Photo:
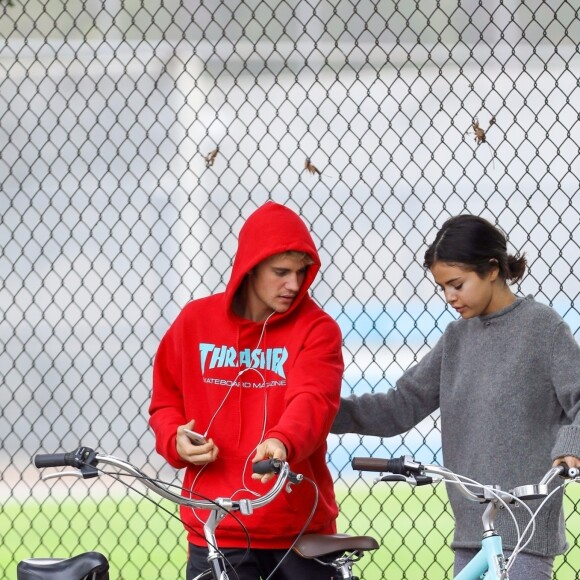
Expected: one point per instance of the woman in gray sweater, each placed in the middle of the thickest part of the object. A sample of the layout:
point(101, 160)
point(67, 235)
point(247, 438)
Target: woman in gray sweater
point(506, 379)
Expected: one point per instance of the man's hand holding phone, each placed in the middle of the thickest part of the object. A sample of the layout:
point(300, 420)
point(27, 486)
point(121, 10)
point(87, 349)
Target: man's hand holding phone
point(193, 447)
point(195, 438)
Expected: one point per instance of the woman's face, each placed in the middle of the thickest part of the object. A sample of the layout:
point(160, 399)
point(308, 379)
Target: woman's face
point(469, 293)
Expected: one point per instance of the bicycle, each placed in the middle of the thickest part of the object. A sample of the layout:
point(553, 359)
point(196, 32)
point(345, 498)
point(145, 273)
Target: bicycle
point(489, 563)
point(337, 551)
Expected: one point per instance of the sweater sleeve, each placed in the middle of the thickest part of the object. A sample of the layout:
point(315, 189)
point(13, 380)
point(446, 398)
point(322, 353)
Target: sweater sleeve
point(166, 409)
point(313, 392)
point(566, 379)
point(415, 396)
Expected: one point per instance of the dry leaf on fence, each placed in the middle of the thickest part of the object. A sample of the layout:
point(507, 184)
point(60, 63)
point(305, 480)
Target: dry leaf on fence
point(479, 132)
point(310, 167)
point(210, 157)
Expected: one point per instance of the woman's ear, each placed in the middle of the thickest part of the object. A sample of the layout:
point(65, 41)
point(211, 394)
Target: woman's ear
point(493, 270)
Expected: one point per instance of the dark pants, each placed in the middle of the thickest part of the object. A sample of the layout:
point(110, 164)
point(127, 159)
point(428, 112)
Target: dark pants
point(258, 565)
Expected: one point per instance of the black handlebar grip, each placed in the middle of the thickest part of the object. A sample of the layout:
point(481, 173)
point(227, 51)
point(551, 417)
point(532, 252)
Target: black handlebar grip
point(379, 464)
point(267, 466)
point(370, 464)
point(54, 460)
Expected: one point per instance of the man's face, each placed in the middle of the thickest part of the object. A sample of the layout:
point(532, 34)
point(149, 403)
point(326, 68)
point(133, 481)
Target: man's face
point(274, 284)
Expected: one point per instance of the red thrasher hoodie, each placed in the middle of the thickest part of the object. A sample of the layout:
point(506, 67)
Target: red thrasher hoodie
point(292, 393)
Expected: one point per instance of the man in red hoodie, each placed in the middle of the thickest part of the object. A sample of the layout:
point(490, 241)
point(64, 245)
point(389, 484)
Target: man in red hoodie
point(257, 369)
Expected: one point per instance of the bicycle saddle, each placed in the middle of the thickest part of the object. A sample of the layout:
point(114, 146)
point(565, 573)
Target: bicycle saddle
point(316, 545)
point(92, 565)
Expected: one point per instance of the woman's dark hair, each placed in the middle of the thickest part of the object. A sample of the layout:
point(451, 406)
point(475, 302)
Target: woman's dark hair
point(473, 242)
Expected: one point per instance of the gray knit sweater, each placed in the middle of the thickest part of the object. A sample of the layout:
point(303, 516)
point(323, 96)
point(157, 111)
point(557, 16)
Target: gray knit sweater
point(508, 388)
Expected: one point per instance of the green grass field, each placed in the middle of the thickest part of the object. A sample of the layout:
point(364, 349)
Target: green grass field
point(141, 541)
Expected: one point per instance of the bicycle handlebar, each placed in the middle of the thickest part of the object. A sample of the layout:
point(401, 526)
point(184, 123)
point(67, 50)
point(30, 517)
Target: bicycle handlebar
point(86, 460)
point(54, 460)
point(78, 458)
point(400, 466)
point(267, 466)
point(405, 468)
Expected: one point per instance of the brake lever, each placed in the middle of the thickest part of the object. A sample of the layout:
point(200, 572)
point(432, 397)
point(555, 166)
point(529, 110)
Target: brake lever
point(58, 474)
point(393, 477)
point(86, 471)
point(415, 480)
point(292, 480)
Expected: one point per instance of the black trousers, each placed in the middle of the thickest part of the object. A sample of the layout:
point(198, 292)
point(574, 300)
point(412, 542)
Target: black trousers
point(258, 565)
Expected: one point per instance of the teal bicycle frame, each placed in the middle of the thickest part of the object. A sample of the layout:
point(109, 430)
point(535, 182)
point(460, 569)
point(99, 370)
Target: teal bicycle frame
point(489, 561)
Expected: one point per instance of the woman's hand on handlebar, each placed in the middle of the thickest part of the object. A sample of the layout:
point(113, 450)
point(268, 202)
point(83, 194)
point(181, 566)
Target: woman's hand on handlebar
point(569, 460)
point(269, 449)
point(196, 454)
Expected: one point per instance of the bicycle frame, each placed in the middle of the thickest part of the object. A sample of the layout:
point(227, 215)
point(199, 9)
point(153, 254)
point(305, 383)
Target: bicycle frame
point(488, 563)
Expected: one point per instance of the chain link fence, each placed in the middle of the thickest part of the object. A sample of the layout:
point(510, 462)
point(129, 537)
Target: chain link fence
point(136, 137)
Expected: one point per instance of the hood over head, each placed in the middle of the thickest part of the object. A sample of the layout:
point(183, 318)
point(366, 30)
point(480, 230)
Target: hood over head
point(271, 229)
